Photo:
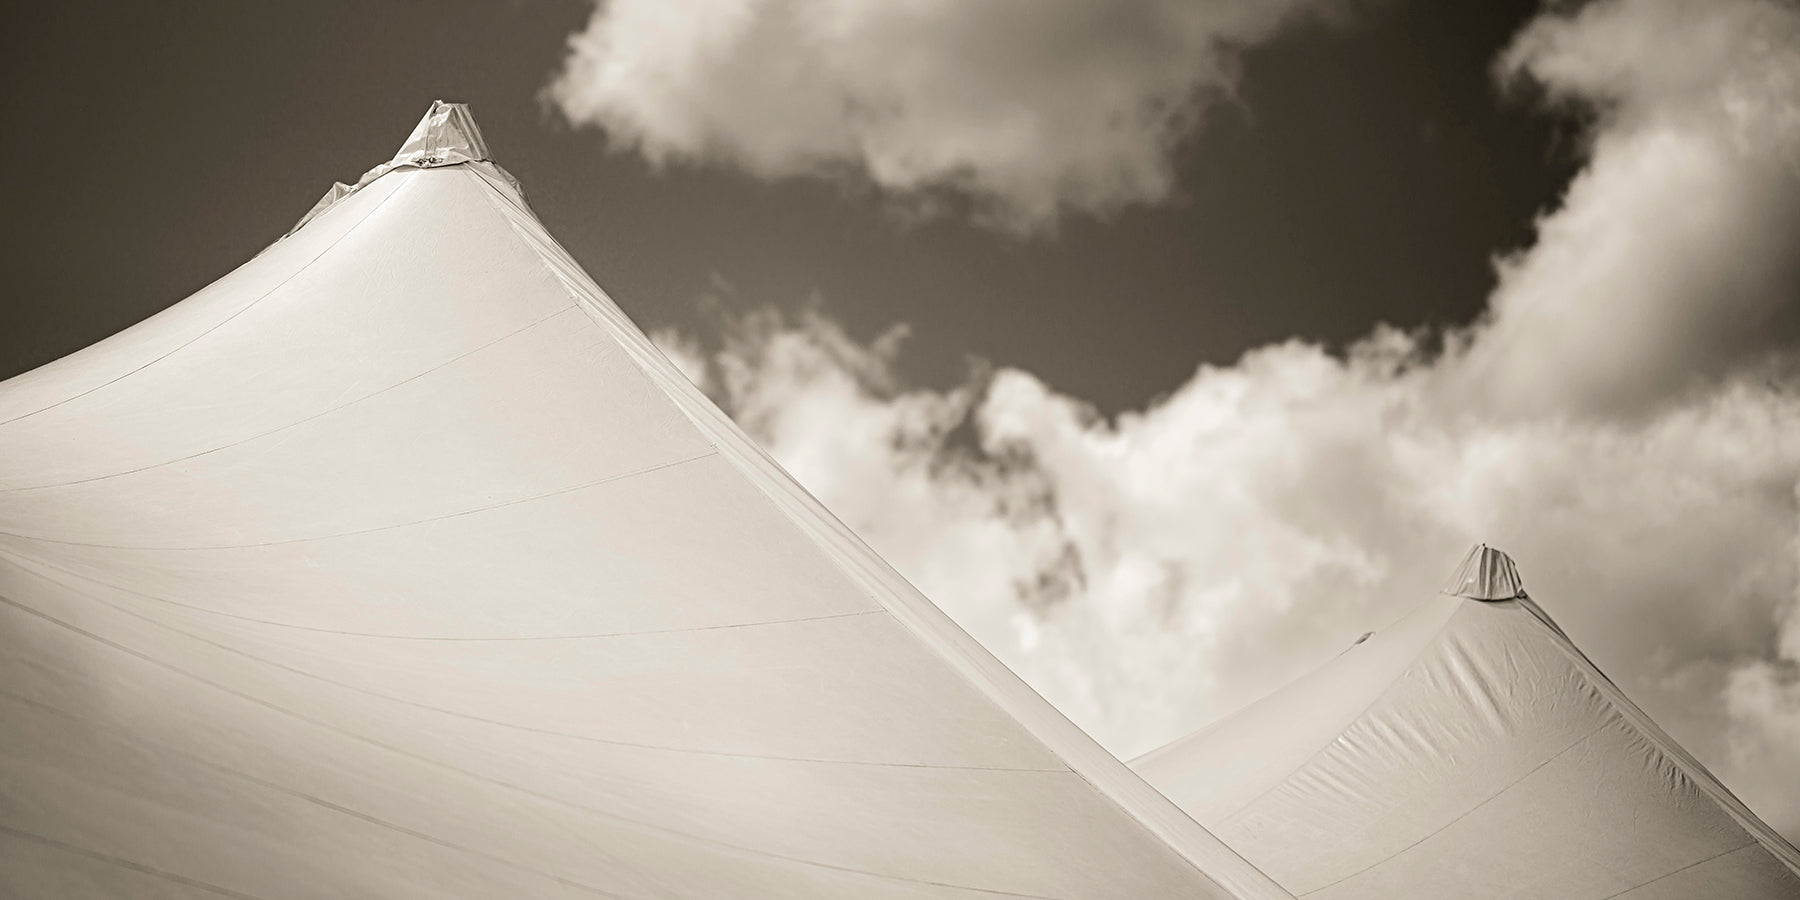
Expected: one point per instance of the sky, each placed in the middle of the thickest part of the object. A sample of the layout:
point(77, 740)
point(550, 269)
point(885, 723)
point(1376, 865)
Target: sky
point(1167, 346)
point(1365, 171)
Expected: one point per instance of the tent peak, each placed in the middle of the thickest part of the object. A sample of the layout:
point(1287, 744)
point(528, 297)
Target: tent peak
point(1485, 574)
point(446, 136)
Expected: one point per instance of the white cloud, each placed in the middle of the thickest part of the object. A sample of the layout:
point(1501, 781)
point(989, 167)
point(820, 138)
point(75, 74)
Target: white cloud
point(1680, 241)
point(1026, 108)
point(1612, 422)
point(1764, 703)
point(1151, 572)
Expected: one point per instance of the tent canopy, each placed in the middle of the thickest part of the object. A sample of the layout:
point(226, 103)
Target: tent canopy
point(1469, 751)
point(399, 563)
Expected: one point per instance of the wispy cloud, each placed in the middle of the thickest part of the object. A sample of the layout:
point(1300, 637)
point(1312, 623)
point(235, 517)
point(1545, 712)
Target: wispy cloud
point(1024, 109)
point(1619, 420)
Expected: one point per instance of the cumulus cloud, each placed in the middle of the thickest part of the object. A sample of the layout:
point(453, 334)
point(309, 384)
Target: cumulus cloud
point(1763, 700)
point(1024, 108)
point(1150, 573)
point(1614, 421)
point(1677, 251)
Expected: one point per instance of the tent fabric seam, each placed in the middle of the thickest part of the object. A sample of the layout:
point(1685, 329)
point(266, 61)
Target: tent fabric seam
point(1693, 769)
point(123, 863)
point(114, 733)
point(518, 726)
point(302, 421)
point(1462, 815)
point(614, 817)
point(597, 482)
point(602, 635)
point(1697, 863)
point(1232, 816)
point(222, 322)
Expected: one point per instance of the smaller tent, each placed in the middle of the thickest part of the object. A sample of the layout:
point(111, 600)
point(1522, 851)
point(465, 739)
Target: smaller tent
point(1469, 751)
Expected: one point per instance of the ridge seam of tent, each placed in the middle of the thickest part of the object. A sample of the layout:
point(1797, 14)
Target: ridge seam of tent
point(301, 421)
point(222, 322)
point(1724, 853)
point(120, 736)
point(1696, 772)
point(25, 560)
point(613, 742)
point(539, 795)
point(991, 679)
point(1464, 814)
point(597, 482)
point(123, 863)
point(1232, 816)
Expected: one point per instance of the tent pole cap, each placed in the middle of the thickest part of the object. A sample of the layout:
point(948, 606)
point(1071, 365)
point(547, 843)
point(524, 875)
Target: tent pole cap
point(1485, 574)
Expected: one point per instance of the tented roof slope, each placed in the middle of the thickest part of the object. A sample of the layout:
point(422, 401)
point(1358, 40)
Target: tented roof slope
point(1470, 751)
point(398, 563)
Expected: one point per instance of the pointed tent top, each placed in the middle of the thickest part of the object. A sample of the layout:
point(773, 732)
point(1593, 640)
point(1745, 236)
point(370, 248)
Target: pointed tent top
point(446, 136)
point(1487, 688)
point(1485, 574)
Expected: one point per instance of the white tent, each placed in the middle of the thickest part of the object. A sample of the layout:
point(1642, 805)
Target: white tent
point(1470, 751)
point(398, 563)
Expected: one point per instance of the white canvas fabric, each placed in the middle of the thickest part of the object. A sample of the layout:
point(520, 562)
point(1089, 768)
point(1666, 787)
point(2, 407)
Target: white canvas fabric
point(1470, 752)
point(399, 563)
point(1485, 574)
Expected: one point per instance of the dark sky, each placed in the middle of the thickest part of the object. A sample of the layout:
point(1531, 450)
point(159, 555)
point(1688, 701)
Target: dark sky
point(1368, 172)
